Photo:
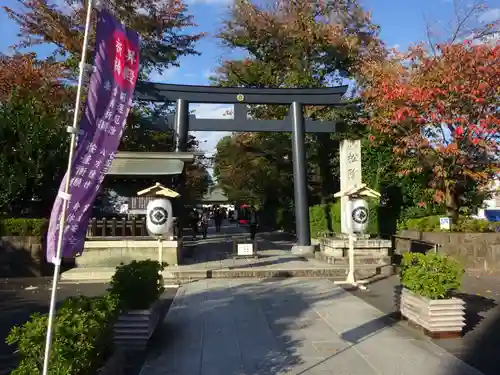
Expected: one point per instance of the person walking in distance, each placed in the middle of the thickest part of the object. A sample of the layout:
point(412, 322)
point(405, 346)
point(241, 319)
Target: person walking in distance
point(204, 222)
point(217, 219)
point(193, 219)
point(253, 221)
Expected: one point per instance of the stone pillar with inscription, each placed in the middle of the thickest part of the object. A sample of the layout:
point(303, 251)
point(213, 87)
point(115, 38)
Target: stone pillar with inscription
point(350, 176)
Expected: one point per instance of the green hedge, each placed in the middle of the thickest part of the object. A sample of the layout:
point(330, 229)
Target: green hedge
point(83, 329)
point(326, 218)
point(23, 227)
point(82, 341)
point(464, 224)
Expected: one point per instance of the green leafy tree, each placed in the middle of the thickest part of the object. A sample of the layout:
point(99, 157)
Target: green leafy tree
point(290, 44)
point(162, 26)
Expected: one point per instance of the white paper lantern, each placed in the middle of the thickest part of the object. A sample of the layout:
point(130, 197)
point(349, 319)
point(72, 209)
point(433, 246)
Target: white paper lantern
point(159, 217)
point(359, 215)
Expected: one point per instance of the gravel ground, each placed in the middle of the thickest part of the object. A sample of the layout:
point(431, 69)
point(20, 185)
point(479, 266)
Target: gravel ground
point(19, 298)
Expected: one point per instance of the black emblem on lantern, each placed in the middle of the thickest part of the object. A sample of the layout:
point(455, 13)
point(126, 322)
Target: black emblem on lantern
point(360, 215)
point(158, 216)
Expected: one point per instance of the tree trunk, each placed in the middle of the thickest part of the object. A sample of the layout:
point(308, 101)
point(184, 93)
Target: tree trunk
point(452, 204)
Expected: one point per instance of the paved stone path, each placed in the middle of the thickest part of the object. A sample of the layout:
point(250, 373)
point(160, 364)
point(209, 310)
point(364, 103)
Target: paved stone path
point(215, 254)
point(291, 326)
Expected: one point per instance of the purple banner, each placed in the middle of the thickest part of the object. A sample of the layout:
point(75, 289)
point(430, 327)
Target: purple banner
point(105, 114)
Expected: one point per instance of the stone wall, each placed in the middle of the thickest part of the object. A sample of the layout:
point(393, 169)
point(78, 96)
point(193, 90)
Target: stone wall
point(479, 251)
point(111, 253)
point(21, 257)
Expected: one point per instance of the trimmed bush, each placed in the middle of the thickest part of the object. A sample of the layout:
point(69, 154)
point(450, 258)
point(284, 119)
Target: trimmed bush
point(23, 227)
point(464, 224)
point(82, 340)
point(318, 220)
point(137, 284)
point(321, 215)
point(430, 275)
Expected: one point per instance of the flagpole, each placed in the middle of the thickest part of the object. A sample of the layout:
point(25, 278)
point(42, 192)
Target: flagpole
point(65, 196)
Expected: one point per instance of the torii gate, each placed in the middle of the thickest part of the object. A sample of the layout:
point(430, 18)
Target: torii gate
point(295, 123)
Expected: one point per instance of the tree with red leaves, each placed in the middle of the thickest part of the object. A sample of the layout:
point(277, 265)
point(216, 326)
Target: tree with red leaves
point(441, 114)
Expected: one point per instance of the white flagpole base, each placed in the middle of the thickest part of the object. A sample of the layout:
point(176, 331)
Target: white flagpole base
point(357, 284)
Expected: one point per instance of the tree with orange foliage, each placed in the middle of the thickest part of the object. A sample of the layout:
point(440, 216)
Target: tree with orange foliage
point(160, 23)
point(27, 75)
point(441, 114)
point(35, 109)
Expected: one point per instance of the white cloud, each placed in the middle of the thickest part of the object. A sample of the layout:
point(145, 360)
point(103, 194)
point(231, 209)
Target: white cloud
point(491, 39)
point(208, 140)
point(167, 75)
point(490, 15)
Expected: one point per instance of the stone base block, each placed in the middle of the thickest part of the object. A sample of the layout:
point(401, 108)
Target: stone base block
point(110, 253)
point(304, 250)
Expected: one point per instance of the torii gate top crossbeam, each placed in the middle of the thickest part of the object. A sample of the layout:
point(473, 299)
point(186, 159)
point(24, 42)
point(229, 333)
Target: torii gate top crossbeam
point(161, 92)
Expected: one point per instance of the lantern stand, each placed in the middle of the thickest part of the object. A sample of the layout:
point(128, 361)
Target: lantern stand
point(160, 250)
point(159, 214)
point(351, 194)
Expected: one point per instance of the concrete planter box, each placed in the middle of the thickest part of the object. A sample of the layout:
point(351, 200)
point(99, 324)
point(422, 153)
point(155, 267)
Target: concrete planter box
point(446, 316)
point(134, 328)
point(115, 365)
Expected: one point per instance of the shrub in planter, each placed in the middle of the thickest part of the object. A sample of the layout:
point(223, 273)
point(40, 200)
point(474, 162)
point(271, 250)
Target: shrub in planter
point(428, 281)
point(430, 275)
point(82, 340)
point(137, 284)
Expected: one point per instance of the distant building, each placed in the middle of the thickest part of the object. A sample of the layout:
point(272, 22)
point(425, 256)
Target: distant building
point(492, 204)
point(216, 196)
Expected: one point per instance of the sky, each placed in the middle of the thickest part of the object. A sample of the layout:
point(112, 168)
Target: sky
point(402, 23)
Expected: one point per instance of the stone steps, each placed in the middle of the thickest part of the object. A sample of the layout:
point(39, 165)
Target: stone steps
point(361, 260)
point(172, 275)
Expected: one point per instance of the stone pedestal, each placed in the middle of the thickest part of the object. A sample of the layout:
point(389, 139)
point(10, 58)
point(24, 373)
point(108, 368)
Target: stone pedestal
point(110, 253)
point(366, 251)
point(303, 250)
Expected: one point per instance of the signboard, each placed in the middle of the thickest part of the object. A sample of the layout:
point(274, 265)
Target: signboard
point(350, 163)
point(350, 175)
point(245, 249)
point(445, 223)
